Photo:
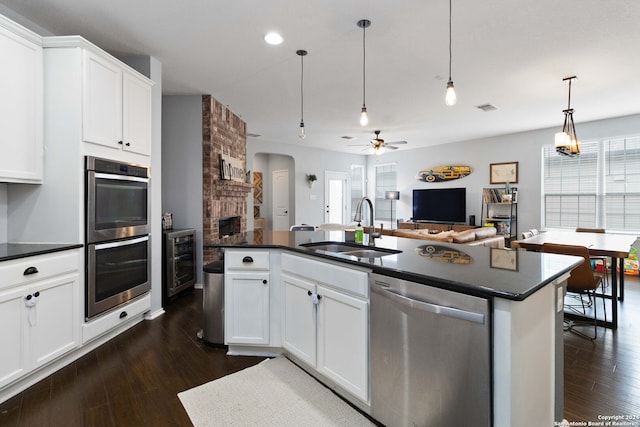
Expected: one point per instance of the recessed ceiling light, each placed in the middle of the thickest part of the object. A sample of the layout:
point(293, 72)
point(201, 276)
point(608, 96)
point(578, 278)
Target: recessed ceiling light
point(273, 38)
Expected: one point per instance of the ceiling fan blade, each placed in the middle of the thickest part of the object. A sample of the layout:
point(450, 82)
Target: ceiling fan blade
point(397, 142)
point(391, 147)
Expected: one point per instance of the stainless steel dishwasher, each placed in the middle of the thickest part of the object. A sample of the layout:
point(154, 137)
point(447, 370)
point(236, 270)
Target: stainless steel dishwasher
point(430, 355)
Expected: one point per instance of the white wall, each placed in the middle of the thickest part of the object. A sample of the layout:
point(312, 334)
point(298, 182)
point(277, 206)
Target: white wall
point(306, 160)
point(182, 165)
point(525, 148)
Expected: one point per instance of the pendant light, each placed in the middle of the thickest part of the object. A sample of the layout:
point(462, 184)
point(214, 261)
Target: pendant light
point(301, 53)
point(566, 141)
point(364, 24)
point(450, 96)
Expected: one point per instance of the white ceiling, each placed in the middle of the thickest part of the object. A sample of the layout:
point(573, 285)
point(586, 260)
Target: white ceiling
point(512, 54)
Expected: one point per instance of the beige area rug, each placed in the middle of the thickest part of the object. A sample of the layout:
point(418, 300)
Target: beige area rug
point(274, 392)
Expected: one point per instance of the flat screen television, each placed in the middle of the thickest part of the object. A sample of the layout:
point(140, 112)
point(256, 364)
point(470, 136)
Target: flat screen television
point(440, 205)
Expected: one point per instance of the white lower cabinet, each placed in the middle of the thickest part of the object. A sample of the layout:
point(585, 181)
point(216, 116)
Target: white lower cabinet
point(247, 308)
point(247, 297)
point(299, 320)
point(326, 321)
point(40, 312)
point(343, 332)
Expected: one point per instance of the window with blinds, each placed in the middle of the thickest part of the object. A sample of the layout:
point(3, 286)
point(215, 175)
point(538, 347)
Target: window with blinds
point(600, 188)
point(357, 187)
point(386, 180)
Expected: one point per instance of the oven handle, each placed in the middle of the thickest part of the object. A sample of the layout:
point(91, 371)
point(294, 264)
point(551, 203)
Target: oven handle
point(120, 177)
point(121, 243)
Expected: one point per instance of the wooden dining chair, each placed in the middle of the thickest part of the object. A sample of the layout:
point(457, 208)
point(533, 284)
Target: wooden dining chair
point(582, 282)
point(597, 259)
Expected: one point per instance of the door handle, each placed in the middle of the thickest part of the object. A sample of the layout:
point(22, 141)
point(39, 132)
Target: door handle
point(434, 308)
point(247, 259)
point(286, 212)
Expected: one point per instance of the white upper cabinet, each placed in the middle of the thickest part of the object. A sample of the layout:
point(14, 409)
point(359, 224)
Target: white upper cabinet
point(20, 104)
point(116, 106)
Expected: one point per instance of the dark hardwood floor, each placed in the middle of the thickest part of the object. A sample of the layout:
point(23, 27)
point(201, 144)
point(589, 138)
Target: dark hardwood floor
point(133, 380)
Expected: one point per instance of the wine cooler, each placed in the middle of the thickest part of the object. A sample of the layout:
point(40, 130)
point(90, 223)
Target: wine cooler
point(179, 249)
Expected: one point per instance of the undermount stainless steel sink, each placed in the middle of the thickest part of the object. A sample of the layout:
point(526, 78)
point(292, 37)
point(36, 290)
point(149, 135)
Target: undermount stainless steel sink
point(352, 249)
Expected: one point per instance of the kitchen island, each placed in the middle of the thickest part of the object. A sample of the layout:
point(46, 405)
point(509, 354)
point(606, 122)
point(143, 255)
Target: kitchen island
point(268, 282)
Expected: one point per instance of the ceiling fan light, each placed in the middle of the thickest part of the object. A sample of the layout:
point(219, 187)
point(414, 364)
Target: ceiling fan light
point(450, 98)
point(378, 151)
point(364, 118)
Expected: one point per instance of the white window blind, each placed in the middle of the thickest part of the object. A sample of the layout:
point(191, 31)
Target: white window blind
point(622, 182)
point(357, 187)
point(600, 188)
point(386, 180)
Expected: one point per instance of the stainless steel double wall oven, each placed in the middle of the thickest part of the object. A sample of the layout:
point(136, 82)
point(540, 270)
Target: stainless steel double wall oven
point(117, 234)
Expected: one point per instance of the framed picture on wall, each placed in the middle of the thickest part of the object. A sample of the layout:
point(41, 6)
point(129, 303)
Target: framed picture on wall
point(501, 173)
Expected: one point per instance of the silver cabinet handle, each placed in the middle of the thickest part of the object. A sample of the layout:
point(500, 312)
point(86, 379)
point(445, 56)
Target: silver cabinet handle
point(434, 308)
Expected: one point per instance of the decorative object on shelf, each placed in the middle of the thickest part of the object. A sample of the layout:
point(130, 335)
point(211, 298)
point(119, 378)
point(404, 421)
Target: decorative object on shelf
point(504, 259)
point(566, 141)
point(391, 196)
point(443, 173)
point(379, 146)
point(501, 173)
point(450, 98)
point(311, 178)
point(257, 188)
point(364, 118)
point(444, 254)
point(506, 196)
point(500, 211)
point(301, 53)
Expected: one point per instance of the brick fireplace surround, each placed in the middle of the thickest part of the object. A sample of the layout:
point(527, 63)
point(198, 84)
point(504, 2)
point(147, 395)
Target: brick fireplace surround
point(223, 132)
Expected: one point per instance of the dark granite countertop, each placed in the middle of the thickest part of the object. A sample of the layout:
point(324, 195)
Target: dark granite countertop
point(473, 270)
point(9, 251)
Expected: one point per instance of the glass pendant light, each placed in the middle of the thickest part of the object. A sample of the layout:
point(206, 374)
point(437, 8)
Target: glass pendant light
point(566, 141)
point(364, 118)
point(301, 53)
point(450, 98)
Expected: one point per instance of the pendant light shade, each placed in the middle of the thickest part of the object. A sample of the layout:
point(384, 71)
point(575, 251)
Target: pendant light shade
point(301, 133)
point(450, 98)
point(566, 141)
point(364, 118)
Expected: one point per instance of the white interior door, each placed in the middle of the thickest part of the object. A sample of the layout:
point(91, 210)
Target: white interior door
point(280, 179)
point(335, 198)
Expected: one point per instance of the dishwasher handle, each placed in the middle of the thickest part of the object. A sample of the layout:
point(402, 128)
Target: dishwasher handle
point(433, 308)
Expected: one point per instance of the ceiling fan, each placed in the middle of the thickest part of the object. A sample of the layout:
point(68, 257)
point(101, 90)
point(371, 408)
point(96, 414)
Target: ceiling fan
point(378, 145)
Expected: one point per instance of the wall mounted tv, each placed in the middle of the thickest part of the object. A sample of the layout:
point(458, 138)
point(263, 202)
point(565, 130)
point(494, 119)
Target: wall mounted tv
point(440, 205)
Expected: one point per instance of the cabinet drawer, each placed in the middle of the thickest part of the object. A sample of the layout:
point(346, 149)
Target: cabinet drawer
point(109, 321)
point(246, 260)
point(49, 265)
point(337, 277)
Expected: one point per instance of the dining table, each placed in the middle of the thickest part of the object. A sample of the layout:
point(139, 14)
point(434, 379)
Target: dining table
point(612, 245)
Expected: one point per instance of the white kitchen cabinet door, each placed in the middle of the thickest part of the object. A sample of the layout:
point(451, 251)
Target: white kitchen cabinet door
point(102, 101)
point(21, 94)
point(13, 361)
point(299, 322)
point(136, 110)
point(54, 322)
point(343, 335)
point(247, 308)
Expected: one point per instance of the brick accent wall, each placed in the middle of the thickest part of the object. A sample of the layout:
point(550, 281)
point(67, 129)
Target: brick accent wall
point(223, 132)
